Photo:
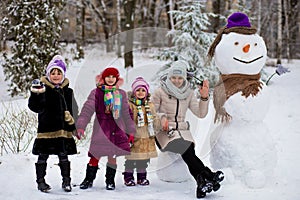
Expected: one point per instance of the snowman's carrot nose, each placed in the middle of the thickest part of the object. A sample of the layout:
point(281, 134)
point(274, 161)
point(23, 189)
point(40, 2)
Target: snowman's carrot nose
point(246, 48)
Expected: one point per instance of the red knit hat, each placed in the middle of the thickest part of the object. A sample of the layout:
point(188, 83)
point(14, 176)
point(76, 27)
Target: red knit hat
point(110, 71)
point(107, 72)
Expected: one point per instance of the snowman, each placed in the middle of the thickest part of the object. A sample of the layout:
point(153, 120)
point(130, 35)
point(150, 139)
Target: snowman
point(239, 140)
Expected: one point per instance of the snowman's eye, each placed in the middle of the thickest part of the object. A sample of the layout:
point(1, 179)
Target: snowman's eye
point(255, 44)
point(236, 43)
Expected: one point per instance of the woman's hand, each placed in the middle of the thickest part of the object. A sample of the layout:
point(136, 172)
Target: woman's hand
point(204, 90)
point(164, 124)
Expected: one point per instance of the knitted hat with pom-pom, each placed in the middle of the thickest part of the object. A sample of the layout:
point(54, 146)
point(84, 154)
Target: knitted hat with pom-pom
point(57, 62)
point(138, 83)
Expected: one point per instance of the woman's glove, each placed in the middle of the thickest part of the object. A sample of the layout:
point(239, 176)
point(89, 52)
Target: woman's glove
point(37, 86)
point(131, 140)
point(79, 133)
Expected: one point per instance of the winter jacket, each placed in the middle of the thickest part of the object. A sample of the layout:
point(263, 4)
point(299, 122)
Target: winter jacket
point(54, 133)
point(175, 111)
point(110, 136)
point(144, 146)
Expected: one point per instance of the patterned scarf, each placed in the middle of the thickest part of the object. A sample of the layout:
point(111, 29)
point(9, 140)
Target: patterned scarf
point(140, 114)
point(228, 85)
point(112, 100)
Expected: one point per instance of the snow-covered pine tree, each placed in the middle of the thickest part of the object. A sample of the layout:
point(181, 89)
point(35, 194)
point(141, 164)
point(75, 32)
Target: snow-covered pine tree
point(34, 27)
point(191, 41)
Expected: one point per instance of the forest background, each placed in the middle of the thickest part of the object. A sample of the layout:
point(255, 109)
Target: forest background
point(38, 30)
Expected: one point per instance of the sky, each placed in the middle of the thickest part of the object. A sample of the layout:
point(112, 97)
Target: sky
point(17, 171)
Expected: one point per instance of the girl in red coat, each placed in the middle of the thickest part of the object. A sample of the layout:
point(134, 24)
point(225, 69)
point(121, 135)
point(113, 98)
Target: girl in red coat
point(113, 127)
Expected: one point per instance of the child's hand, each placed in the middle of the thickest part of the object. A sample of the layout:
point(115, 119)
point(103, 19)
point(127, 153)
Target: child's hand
point(37, 86)
point(131, 139)
point(79, 133)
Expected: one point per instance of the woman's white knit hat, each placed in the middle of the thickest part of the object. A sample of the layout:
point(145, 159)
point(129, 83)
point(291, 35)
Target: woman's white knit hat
point(178, 68)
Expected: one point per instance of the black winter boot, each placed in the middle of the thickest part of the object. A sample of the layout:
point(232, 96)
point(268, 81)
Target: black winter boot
point(65, 173)
point(110, 176)
point(142, 178)
point(213, 177)
point(217, 178)
point(202, 187)
point(128, 178)
point(91, 172)
point(40, 174)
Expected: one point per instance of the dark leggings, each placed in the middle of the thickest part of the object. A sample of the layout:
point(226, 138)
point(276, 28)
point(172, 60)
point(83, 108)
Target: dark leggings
point(44, 157)
point(187, 151)
point(140, 165)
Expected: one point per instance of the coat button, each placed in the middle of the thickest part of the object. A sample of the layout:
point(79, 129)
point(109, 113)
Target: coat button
point(113, 133)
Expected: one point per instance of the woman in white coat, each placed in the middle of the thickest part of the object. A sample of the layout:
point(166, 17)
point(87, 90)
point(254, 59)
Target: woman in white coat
point(172, 100)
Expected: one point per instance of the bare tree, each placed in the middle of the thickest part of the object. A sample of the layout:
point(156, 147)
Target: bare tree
point(118, 13)
point(2, 15)
point(286, 29)
point(279, 33)
point(129, 9)
point(80, 29)
point(259, 17)
point(101, 13)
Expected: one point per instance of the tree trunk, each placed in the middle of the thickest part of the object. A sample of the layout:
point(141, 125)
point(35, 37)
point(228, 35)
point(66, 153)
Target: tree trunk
point(169, 7)
point(129, 8)
point(118, 12)
point(80, 35)
point(259, 17)
point(279, 33)
point(286, 29)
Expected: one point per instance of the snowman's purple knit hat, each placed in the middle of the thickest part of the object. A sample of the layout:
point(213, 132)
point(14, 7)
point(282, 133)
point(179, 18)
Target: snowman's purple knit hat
point(237, 22)
point(238, 19)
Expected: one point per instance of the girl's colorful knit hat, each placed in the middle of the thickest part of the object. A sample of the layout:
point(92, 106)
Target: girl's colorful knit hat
point(107, 72)
point(57, 62)
point(140, 82)
point(237, 22)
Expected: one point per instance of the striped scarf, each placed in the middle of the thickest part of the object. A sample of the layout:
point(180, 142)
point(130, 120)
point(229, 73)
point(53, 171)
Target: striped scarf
point(140, 114)
point(112, 100)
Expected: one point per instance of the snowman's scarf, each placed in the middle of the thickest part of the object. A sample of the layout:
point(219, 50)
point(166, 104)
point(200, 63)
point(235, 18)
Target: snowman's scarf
point(228, 85)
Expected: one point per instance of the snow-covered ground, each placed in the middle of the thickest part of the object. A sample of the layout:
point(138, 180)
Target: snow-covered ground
point(17, 171)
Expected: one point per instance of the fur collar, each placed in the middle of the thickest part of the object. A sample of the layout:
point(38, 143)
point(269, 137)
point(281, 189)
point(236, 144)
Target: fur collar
point(49, 84)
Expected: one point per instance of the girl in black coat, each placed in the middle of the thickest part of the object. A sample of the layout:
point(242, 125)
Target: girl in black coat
point(54, 102)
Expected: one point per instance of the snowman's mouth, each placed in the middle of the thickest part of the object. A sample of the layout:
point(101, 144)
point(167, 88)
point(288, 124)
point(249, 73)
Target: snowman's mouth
point(247, 62)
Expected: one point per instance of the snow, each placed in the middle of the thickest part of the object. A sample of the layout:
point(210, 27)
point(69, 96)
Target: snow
point(17, 171)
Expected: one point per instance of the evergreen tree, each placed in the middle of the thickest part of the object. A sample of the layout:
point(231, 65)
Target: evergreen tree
point(34, 27)
point(191, 42)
